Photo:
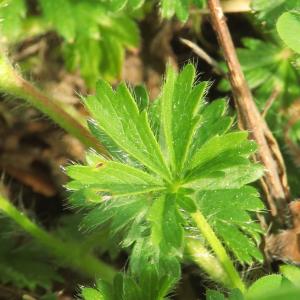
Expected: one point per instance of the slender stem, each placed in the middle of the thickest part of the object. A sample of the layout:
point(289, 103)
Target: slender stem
point(69, 253)
point(12, 83)
point(206, 261)
point(217, 247)
point(274, 95)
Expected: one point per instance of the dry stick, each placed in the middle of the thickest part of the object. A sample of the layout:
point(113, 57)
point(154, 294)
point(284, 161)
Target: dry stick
point(274, 182)
point(202, 54)
point(270, 101)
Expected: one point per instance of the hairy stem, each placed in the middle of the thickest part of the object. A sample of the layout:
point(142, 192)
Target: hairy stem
point(12, 83)
point(69, 253)
point(225, 261)
point(201, 256)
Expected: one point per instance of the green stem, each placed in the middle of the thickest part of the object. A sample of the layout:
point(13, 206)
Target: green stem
point(12, 83)
point(206, 261)
point(217, 247)
point(69, 253)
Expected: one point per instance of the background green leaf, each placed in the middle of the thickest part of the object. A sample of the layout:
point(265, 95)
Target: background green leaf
point(288, 27)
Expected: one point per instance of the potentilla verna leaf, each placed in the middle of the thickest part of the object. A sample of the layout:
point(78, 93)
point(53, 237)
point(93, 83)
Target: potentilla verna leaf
point(171, 159)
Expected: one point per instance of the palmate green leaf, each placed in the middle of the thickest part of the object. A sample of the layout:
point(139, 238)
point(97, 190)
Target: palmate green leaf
point(165, 156)
point(117, 114)
point(228, 213)
point(288, 27)
point(180, 101)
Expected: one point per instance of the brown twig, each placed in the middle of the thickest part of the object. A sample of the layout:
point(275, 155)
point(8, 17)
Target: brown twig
point(270, 101)
point(274, 182)
point(202, 54)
